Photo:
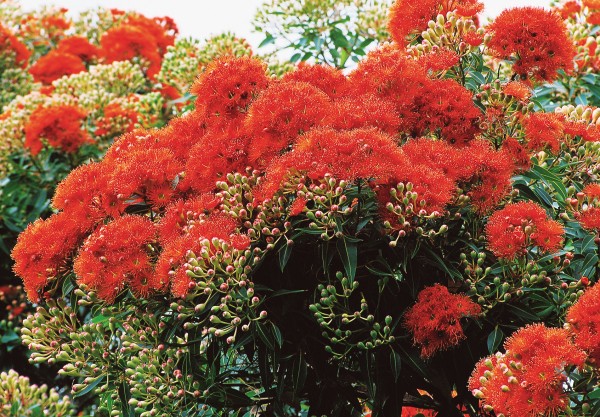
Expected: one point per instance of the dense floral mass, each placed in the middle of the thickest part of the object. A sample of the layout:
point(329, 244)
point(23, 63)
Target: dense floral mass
point(414, 235)
point(234, 104)
point(435, 320)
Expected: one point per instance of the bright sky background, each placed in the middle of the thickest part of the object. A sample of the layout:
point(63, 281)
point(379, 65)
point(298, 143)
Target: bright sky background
point(203, 18)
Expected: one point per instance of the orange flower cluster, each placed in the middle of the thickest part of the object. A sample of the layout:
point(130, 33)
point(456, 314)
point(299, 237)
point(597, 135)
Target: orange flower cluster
point(59, 126)
point(424, 105)
point(589, 216)
point(518, 90)
point(548, 130)
point(43, 250)
point(516, 227)
point(528, 380)
point(55, 65)
point(119, 253)
point(434, 320)
point(536, 39)
point(410, 17)
point(593, 18)
point(584, 323)
point(10, 44)
point(171, 174)
point(324, 122)
point(78, 46)
point(141, 37)
point(47, 27)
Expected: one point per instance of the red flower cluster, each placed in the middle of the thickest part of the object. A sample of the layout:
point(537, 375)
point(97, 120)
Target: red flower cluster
point(300, 106)
point(141, 37)
point(589, 216)
point(482, 172)
point(549, 130)
point(55, 65)
point(408, 17)
point(171, 173)
point(535, 38)
point(227, 87)
point(518, 90)
point(59, 126)
point(43, 249)
point(527, 380)
point(439, 107)
point(434, 320)
point(360, 153)
point(10, 44)
point(118, 253)
point(511, 230)
point(78, 46)
point(569, 9)
point(544, 130)
point(584, 323)
point(327, 79)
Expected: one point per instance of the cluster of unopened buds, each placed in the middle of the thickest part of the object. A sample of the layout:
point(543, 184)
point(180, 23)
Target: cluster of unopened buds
point(584, 38)
point(345, 329)
point(452, 32)
point(412, 215)
point(21, 397)
point(491, 290)
point(90, 350)
point(260, 220)
point(154, 365)
point(221, 290)
point(327, 205)
point(157, 383)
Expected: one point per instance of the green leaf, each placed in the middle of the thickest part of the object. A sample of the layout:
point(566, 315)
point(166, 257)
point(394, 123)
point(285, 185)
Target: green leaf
point(296, 57)
point(396, 364)
point(414, 361)
point(588, 265)
point(522, 313)
point(553, 181)
point(265, 335)
point(9, 336)
point(67, 286)
point(348, 252)
point(235, 398)
point(280, 293)
point(277, 335)
point(339, 39)
point(36, 411)
point(90, 387)
point(299, 372)
point(588, 244)
point(269, 39)
point(284, 255)
point(440, 264)
point(494, 339)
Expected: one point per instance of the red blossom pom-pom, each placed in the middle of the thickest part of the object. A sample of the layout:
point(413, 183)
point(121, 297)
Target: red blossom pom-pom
point(9, 43)
point(584, 323)
point(434, 320)
point(55, 65)
point(516, 227)
point(60, 126)
point(116, 255)
point(536, 38)
point(78, 46)
point(43, 250)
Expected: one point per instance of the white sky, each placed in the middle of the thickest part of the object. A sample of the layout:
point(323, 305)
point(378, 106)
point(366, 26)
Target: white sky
point(203, 18)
